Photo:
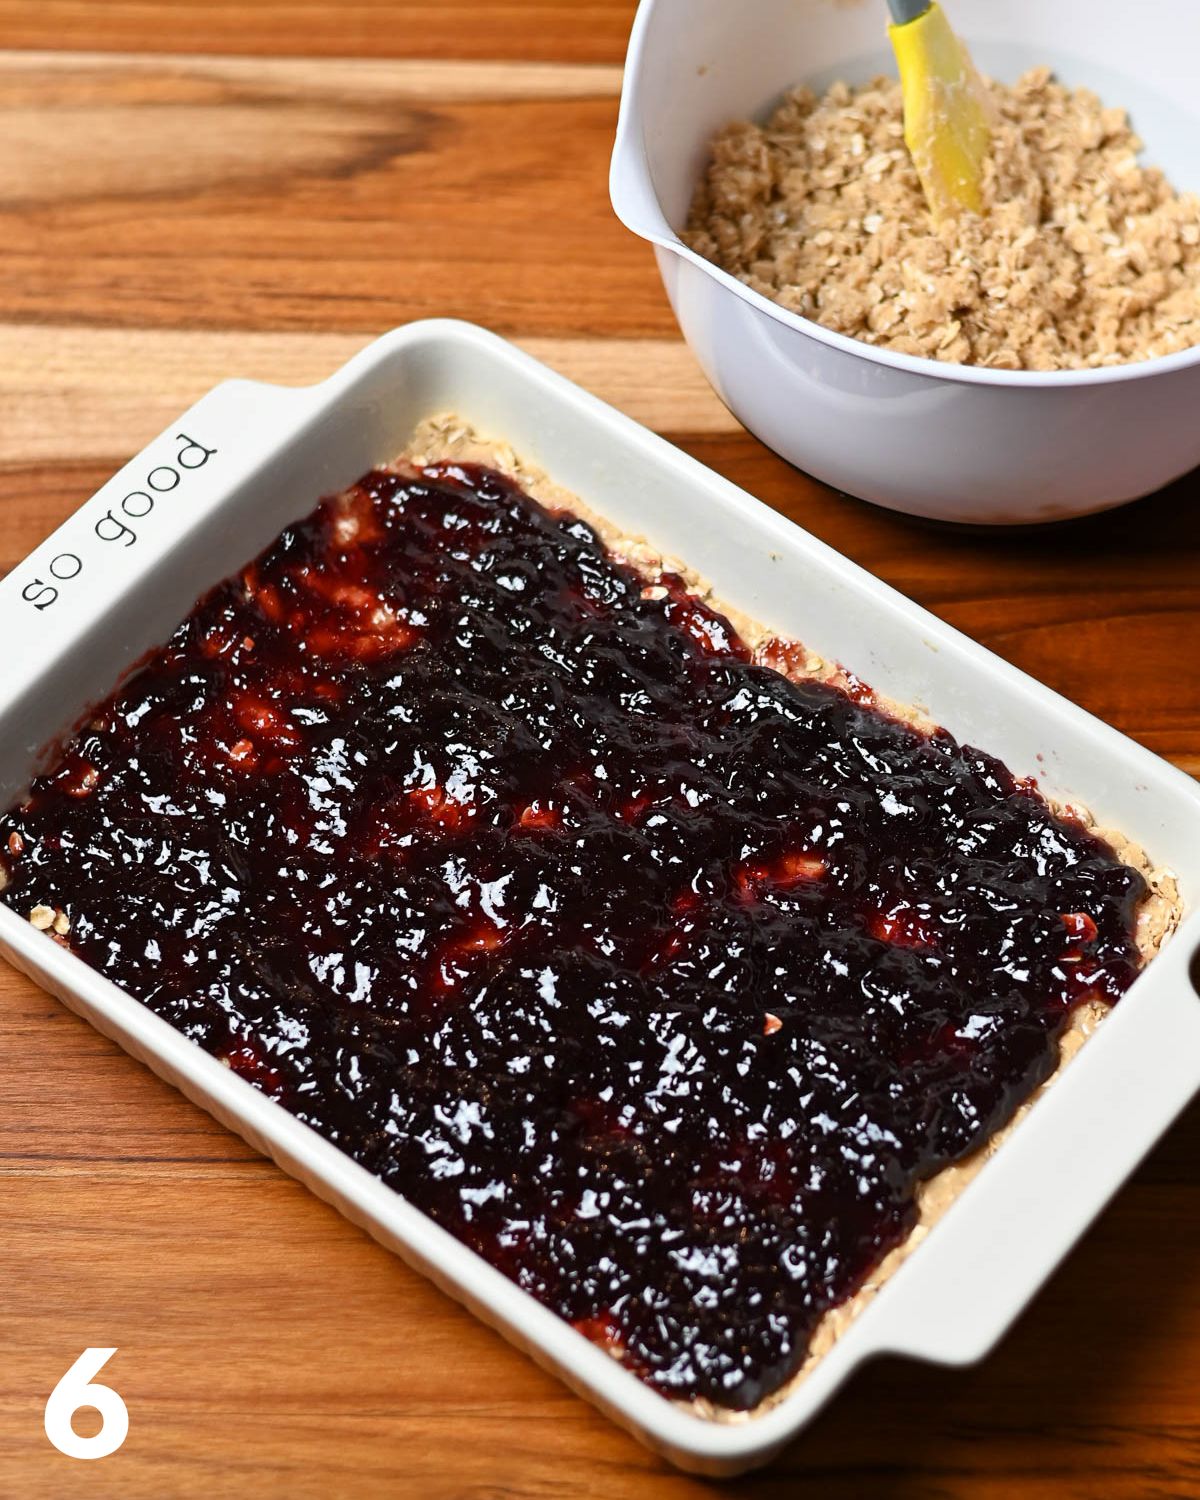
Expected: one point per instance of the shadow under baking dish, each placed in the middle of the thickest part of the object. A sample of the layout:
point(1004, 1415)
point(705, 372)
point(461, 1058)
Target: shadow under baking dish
point(270, 454)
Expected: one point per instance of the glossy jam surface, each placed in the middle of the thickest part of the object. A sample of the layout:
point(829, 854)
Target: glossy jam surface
point(660, 979)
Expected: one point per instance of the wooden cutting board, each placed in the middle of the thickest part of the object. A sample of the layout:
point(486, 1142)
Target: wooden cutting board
point(192, 189)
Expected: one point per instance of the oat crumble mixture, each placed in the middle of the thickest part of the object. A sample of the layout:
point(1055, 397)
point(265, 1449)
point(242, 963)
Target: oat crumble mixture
point(1082, 257)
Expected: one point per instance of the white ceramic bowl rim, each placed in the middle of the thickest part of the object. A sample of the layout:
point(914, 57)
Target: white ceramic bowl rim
point(630, 165)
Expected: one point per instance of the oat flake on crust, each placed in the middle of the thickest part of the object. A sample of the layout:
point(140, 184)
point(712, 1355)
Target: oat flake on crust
point(448, 438)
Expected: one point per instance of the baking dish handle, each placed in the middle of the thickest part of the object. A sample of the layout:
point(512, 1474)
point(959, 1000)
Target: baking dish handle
point(147, 510)
point(1014, 1223)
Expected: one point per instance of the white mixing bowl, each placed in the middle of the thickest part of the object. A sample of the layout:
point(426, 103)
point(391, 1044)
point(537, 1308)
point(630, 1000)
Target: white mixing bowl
point(946, 441)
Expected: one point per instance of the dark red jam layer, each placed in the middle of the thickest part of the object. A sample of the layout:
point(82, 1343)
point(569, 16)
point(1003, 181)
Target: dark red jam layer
point(659, 979)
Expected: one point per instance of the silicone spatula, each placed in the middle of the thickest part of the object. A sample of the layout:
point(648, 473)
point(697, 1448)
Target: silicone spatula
point(946, 113)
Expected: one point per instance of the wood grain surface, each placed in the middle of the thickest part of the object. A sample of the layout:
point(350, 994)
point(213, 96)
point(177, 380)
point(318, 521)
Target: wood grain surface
point(190, 190)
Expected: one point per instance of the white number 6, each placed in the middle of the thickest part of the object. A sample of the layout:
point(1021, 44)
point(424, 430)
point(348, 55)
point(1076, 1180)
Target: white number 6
point(77, 1389)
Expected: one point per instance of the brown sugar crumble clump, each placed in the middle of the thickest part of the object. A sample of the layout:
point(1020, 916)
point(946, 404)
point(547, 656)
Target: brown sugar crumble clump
point(1081, 257)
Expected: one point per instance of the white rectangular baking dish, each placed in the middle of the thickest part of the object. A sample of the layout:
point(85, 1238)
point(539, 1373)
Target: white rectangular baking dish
point(218, 485)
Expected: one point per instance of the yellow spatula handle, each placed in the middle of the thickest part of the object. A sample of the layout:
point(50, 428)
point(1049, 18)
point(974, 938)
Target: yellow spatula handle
point(945, 114)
